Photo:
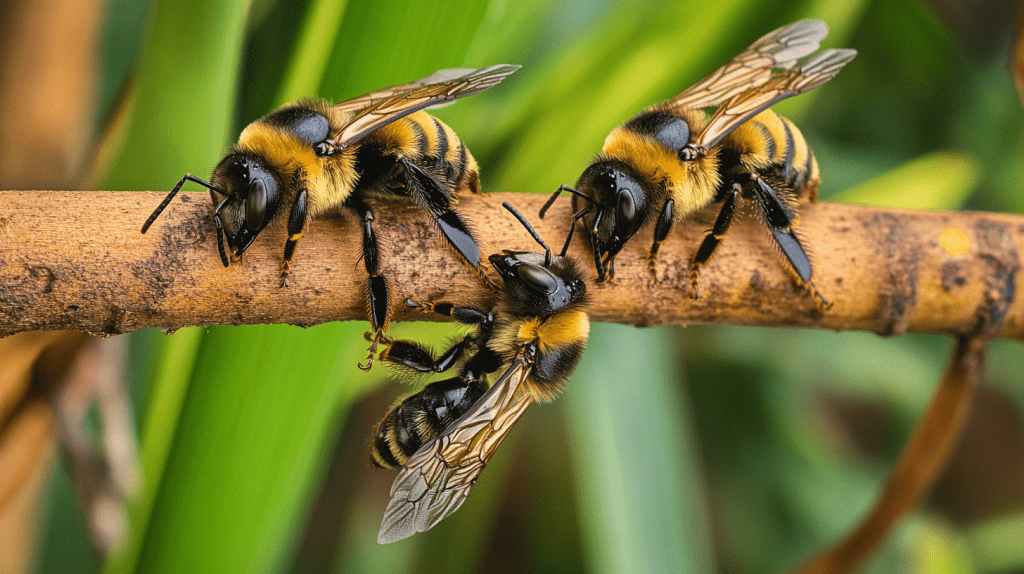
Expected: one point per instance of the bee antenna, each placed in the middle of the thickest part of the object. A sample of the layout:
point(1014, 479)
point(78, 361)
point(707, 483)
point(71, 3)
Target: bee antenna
point(557, 193)
point(167, 200)
point(576, 217)
point(221, 205)
point(526, 224)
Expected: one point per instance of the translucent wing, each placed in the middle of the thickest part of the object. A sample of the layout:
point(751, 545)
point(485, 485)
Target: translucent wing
point(378, 109)
point(810, 74)
point(439, 77)
point(778, 49)
point(436, 479)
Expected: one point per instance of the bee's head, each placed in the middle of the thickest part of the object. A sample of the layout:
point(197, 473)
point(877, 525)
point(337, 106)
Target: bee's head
point(539, 283)
point(247, 193)
point(621, 206)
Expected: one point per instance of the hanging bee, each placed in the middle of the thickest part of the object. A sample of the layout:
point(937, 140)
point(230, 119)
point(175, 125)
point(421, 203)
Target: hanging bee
point(315, 158)
point(442, 436)
point(671, 159)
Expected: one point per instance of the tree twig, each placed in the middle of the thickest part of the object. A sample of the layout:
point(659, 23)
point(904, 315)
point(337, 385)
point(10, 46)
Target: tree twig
point(76, 260)
point(919, 465)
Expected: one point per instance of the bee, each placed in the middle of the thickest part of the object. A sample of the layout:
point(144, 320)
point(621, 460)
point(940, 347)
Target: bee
point(442, 436)
point(311, 158)
point(671, 160)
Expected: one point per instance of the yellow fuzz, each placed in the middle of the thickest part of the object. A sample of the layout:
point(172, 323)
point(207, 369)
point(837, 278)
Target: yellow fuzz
point(561, 329)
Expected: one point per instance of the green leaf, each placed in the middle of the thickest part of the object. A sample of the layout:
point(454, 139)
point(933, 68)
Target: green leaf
point(183, 95)
point(169, 387)
point(390, 42)
point(940, 180)
point(640, 490)
point(249, 448)
point(319, 31)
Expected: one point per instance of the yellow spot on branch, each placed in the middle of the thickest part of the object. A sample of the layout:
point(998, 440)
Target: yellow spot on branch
point(955, 241)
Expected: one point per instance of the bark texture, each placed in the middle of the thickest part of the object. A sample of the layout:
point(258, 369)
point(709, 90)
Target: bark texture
point(76, 261)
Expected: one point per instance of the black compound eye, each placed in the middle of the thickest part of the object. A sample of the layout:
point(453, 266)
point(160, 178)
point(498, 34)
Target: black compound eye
point(625, 213)
point(538, 278)
point(256, 205)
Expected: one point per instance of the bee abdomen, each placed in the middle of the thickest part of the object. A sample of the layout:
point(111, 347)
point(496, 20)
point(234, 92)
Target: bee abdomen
point(422, 417)
point(786, 150)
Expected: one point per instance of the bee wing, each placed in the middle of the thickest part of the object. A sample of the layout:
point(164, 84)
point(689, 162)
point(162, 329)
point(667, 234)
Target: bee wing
point(446, 75)
point(378, 109)
point(436, 479)
point(778, 49)
point(811, 73)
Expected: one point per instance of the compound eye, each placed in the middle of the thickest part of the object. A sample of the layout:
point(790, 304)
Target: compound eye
point(256, 205)
point(538, 278)
point(625, 214)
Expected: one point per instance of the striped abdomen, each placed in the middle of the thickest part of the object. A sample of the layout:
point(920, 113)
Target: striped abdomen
point(419, 418)
point(430, 144)
point(770, 143)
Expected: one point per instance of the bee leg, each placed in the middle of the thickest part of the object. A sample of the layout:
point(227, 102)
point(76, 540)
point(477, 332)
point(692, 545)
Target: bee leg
point(472, 183)
point(465, 315)
point(414, 356)
point(661, 230)
point(378, 290)
point(296, 225)
point(711, 240)
point(610, 264)
point(596, 247)
point(481, 272)
point(779, 218)
point(427, 192)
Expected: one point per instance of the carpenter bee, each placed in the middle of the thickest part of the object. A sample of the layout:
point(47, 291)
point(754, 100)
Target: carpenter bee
point(442, 436)
point(671, 159)
point(312, 158)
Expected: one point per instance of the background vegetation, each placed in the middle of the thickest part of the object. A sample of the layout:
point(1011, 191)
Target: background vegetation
point(690, 450)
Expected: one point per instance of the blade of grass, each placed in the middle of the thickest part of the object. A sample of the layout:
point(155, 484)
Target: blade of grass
point(249, 447)
point(169, 385)
point(389, 42)
point(640, 489)
point(316, 39)
point(939, 180)
point(184, 93)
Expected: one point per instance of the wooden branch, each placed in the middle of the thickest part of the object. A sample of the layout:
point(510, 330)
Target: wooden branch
point(76, 260)
point(923, 458)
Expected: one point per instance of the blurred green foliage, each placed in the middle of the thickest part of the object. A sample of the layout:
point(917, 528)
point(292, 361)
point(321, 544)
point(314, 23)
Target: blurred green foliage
point(684, 450)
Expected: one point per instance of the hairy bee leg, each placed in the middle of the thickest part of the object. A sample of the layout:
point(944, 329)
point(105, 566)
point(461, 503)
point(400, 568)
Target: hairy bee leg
point(414, 356)
point(473, 183)
point(378, 290)
point(426, 191)
point(780, 220)
point(490, 283)
point(596, 247)
point(465, 315)
point(297, 220)
point(711, 240)
point(661, 230)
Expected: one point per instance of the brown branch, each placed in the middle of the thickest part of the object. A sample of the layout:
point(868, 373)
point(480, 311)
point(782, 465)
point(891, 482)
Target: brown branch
point(76, 260)
point(919, 465)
